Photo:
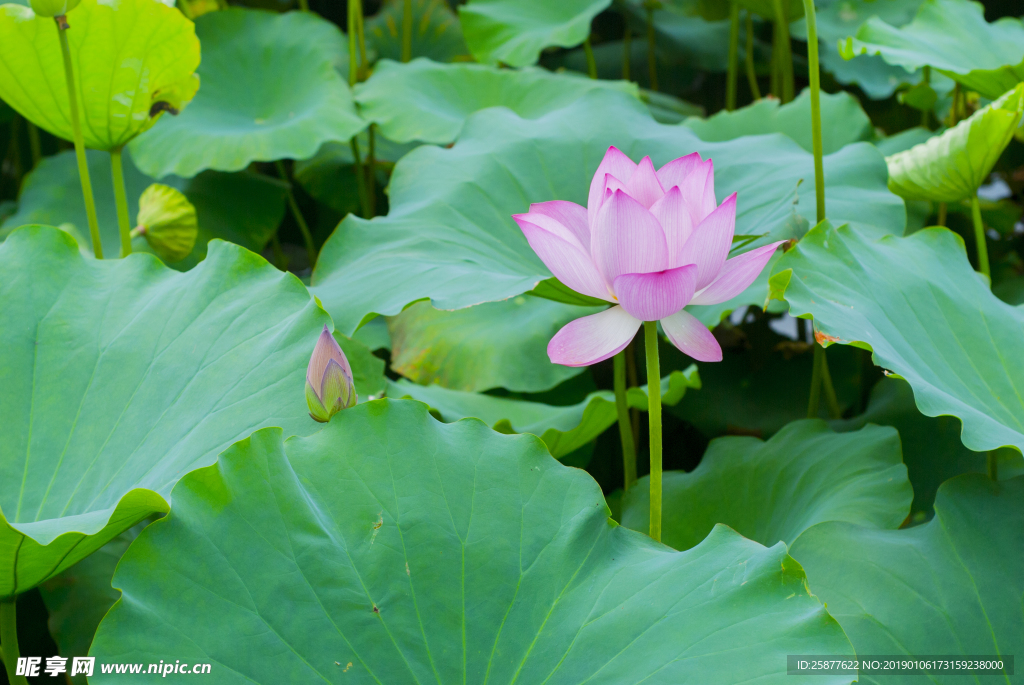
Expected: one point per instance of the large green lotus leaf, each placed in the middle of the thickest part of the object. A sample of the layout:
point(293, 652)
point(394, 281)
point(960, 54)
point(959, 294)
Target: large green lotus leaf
point(952, 586)
point(427, 101)
point(843, 120)
point(271, 90)
point(837, 19)
point(932, 449)
point(129, 56)
point(925, 314)
point(563, 429)
point(436, 32)
point(514, 32)
point(392, 548)
point(952, 37)
point(244, 208)
point(950, 167)
point(79, 597)
point(122, 375)
point(493, 345)
point(775, 490)
point(449, 235)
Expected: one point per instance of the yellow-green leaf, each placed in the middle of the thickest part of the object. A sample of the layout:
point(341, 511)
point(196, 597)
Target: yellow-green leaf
point(133, 60)
point(950, 167)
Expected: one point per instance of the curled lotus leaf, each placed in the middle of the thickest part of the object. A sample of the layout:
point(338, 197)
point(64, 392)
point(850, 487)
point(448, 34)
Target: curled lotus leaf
point(950, 167)
point(926, 316)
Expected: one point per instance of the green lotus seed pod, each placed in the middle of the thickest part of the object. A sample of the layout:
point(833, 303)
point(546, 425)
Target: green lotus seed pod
point(53, 8)
point(329, 387)
point(167, 220)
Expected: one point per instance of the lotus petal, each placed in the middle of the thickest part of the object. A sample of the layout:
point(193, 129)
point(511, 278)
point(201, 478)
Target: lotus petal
point(593, 338)
point(654, 296)
point(692, 337)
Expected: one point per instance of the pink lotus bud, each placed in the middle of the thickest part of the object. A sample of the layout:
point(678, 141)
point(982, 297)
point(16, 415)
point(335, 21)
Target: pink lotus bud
point(329, 387)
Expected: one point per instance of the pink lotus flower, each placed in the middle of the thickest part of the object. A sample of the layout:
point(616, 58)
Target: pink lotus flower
point(649, 241)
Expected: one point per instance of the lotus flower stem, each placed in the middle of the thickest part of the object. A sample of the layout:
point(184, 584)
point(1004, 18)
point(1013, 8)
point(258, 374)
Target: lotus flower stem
point(773, 82)
point(654, 417)
point(953, 116)
point(588, 50)
point(993, 464)
point(815, 400)
point(652, 61)
point(304, 5)
point(627, 40)
point(734, 53)
point(9, 640)
point(814, 73)
point(355, 39)
point(941, 221)
point(926, 78)
point(785, 52)
point(79, 140)
point(406, 30)
point(307, 237)
point(979, 238)
point(625, 425)
point(755, 91)
point(14, 152)
point(364, 198)
point(353, 64)
point(821, 379)
point(280, 260)
point(34, 145)
point(831, 401)
point(121, 200)
point(371, 171)
point(360, 33)
point(631, 382)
